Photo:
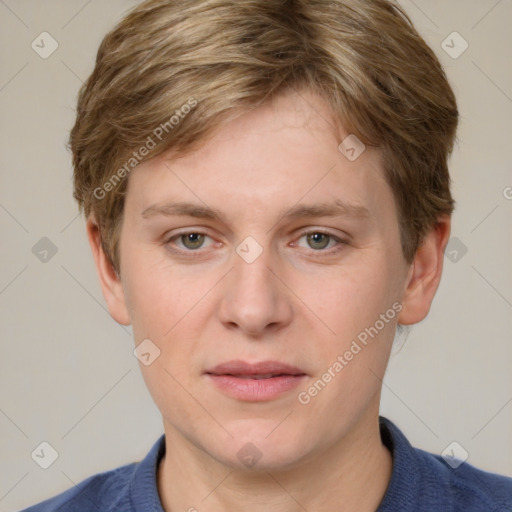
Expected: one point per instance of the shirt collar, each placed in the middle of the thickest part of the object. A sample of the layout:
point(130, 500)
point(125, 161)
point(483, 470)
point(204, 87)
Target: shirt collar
point(143, 486)
point(406, 487)
point(413, 487)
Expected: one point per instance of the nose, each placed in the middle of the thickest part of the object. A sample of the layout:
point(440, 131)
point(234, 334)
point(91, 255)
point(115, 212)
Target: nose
point(254, 298)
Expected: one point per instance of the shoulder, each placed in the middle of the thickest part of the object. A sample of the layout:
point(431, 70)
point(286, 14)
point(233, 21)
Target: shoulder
point(470, 488)
point(132, 487)
point(422, 481)
point(104, 492)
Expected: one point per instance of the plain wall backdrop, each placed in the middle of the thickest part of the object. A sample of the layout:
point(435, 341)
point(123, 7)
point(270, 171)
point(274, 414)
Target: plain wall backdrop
point(68, 375)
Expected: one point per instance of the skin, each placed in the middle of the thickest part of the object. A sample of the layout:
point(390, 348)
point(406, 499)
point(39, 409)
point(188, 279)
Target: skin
point(302, 301)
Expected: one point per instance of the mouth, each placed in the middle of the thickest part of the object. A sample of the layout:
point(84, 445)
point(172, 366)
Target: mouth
point(259, 377)
point(255, 382)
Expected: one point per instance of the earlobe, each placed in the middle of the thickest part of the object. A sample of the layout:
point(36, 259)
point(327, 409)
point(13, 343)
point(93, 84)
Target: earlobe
point(425, 274)
point(110, 281)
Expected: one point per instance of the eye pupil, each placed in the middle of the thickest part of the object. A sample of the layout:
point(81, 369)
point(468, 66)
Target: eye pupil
point(320, 239)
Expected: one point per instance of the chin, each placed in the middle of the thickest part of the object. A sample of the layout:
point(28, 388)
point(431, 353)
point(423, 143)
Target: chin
point(260, 448)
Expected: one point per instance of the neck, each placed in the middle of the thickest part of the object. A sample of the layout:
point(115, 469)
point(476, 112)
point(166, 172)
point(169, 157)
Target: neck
point(350, 476)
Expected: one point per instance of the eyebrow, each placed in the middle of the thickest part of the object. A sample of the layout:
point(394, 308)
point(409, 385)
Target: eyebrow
point(337, 208)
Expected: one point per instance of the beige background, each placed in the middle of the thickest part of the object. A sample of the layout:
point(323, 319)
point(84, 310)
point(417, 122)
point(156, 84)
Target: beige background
point(67, 372)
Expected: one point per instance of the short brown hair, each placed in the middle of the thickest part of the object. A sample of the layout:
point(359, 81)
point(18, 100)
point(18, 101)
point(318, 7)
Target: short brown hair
point(224, 57)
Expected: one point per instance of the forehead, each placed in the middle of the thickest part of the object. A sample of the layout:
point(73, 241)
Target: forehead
point(281, 155)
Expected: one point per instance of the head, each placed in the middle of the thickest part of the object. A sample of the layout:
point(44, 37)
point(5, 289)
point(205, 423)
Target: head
point(260, 119)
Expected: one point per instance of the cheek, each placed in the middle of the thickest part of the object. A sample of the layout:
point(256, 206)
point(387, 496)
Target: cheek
point(362, 312)
point(355, 297)
point(361, 307)
point(156, 294)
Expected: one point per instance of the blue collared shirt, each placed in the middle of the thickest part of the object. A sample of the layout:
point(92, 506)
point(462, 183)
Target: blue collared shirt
point(420, 482)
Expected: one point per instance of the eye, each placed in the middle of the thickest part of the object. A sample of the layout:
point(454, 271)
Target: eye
point(319, 240)
point(190, 241)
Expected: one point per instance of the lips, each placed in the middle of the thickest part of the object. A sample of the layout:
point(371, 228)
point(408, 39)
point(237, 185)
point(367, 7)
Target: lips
point(260, 370)
point(255, 382)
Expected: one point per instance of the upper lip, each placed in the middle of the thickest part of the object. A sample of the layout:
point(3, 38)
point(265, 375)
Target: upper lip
point(238, 367)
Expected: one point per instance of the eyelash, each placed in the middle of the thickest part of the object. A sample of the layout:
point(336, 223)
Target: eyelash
point(315, 252)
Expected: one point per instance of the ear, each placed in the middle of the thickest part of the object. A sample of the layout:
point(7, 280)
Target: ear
point(425, 274)
point(110, 281)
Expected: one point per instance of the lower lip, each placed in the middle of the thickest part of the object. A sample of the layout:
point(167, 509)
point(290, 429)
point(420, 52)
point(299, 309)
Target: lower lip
point(256, 390)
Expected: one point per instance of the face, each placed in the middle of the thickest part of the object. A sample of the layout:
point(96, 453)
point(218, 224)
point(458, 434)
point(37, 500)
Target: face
point(267, 269)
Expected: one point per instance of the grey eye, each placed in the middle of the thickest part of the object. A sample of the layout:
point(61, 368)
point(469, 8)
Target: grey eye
point(318, 240)
point(192, 240)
